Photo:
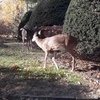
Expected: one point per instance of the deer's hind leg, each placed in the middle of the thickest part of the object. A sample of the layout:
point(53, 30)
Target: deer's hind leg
point(53, 59)
point(72, 62)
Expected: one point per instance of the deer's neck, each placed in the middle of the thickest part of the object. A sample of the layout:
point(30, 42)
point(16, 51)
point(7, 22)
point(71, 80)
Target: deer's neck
point(39, 42)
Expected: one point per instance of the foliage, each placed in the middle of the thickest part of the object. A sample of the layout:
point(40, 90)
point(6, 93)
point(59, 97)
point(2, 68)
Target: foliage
point(12, 11)
point(83, 21)
point(48, 12)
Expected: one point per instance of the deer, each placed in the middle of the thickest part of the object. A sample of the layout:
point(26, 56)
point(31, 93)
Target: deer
point(57, 43)
point(27, 34)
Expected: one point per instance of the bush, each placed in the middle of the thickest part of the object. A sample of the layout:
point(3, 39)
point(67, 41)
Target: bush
point(82, 20)
point(48, 13)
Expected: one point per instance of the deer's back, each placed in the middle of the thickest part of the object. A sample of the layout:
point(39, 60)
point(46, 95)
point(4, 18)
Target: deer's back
point(59, 42)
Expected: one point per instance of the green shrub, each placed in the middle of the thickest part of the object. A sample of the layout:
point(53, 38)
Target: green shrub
point(82, 20)
point(48, 13)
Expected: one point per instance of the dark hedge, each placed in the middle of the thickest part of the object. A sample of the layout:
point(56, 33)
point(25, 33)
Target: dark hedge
point(48, 13)
point(82, 20)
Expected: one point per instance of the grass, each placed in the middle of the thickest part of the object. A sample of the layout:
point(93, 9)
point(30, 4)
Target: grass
point(30, 65)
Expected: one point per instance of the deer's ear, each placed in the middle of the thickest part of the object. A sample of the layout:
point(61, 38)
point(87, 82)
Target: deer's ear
point(21, 29)
point(39, 33)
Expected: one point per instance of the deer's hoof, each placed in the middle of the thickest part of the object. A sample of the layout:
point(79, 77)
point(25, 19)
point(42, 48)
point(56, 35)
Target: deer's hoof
point(72, 70)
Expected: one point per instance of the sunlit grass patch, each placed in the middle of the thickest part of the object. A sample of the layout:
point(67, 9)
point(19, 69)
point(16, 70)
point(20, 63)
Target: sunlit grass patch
point(50, 75)
point(74, 78)
point(21, 62)
point(35, 63)
point(41, 73)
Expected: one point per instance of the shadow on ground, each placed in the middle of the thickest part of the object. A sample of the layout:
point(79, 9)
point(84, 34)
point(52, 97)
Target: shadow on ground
point(13, 84)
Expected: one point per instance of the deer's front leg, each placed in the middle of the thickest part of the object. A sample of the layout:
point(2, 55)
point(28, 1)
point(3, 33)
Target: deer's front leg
point(45, 62)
